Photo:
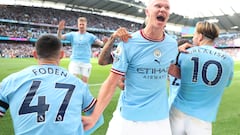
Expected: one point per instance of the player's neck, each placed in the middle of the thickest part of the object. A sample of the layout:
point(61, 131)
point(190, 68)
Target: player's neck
point(206, 42)
point(48, 62)
point(153, 34)
point(82, 31)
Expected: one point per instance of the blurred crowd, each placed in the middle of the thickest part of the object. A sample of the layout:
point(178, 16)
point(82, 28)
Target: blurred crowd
point(234, 52)
point(24, 50)
point(31, 22)
point(228, 40)
point(15, 50)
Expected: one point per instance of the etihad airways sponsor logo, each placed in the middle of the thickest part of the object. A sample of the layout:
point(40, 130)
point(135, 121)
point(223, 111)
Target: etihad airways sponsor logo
point(152, 70)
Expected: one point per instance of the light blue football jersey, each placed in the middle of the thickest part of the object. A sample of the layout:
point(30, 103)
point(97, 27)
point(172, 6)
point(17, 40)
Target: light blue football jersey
point(145, 64)
point(81, 45)
point(174, 84)
point(45, 100)
point(205, 72)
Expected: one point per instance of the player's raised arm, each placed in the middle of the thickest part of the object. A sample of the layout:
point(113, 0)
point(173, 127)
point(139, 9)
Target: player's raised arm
point(61, 26)
point(105, 57)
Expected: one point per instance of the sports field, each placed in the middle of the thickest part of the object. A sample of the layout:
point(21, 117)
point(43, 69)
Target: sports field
point(228, 120)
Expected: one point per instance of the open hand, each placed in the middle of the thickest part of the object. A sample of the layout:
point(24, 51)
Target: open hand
point(61, 25)
point(122, 33)
point(88, 122)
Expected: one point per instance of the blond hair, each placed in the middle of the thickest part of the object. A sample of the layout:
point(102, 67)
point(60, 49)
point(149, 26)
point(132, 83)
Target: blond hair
point(82, 19)
point(209, 30)
point(147, 3)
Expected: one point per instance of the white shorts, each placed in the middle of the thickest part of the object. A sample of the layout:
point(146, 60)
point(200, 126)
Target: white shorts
point(120, 126)
point(183, 124)
point(80, 68)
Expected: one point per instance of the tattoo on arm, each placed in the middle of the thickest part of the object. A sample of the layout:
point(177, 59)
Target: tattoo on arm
point(105, 57)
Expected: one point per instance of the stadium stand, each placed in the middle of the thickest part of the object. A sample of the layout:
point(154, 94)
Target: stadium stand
point(20, 26)
point(23, 25)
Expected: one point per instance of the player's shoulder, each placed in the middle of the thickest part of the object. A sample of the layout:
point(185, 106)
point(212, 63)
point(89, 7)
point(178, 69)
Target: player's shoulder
point(89, 34)
point(135, 35)
point(20, 75)
point(130, 43)
point(220, 52)
point(72, 33)
point(170, 39)
point(75, 80)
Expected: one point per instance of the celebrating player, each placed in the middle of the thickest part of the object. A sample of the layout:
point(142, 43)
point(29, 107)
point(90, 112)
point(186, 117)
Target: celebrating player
point(81, 42)
point(205, 72)
point(144, 61)
point(45, 98)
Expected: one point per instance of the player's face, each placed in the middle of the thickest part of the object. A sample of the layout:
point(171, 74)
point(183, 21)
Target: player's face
point(82, 25)
point(195, 38)
point(158, 12)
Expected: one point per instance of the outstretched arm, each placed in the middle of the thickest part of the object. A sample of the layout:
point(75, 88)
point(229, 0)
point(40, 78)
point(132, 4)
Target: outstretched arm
point(61, 26)
point(104, 97)
point(96, 126)
point(105, 57)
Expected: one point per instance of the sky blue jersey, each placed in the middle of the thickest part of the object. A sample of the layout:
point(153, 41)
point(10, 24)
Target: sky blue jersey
point(205, 72)
point(45, 100)
point(81, 45)
point(174, 84)
point(145, 64)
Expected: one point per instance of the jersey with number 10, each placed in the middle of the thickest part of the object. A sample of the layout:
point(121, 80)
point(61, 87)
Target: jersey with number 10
point(45, 100)
point(205, 72)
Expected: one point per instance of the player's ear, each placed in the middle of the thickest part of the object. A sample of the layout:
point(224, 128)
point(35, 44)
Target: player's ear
point(201, 36)
point(35, 54)
point(61, 54)
point(146, 12)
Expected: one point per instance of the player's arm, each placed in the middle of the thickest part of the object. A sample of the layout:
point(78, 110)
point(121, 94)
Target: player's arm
point(104, 97)
point(97, 125)
point(105, 56)
point(174, 71)
point(61, 26)
point(3, 108)
point(183, 45)
point(4, 105)
point(183, 48)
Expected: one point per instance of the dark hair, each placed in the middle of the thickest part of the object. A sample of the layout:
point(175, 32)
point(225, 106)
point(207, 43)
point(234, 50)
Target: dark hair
point(48, 46)
point(183, 41)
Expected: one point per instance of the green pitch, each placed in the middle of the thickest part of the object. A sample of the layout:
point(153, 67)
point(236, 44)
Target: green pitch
point(228, 120)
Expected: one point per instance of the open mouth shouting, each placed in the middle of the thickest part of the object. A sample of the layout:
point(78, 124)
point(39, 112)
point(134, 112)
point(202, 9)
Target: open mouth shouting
point(161, 18)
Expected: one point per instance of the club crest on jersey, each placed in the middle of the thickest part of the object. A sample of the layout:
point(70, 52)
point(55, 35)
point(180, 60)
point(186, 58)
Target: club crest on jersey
point(157, 53)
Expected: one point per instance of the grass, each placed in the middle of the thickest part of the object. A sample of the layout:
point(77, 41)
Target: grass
point(228, 119)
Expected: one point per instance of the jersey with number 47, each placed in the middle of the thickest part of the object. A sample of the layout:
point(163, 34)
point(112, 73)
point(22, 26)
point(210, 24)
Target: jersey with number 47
point(205, 72)
point(45, 100)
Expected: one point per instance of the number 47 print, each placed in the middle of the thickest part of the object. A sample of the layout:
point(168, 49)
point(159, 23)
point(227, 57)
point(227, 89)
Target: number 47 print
point(41, 106)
